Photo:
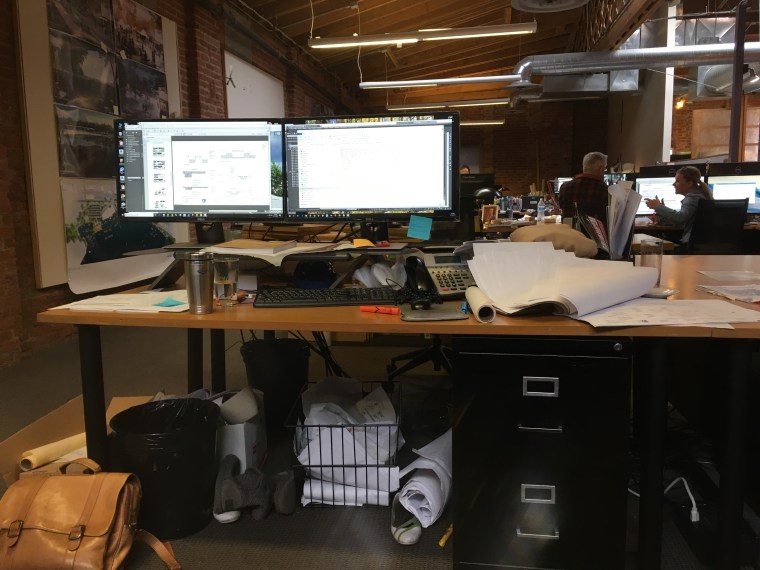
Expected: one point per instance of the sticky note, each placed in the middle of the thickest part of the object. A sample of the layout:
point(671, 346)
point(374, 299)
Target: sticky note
point(419, 227)
point(169, 302)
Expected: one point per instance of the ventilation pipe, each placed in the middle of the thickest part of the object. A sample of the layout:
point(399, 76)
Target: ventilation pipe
point(600, 62)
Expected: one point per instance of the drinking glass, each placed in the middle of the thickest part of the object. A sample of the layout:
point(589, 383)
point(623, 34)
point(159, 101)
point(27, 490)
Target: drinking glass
point(650, 255)
point(225, 281)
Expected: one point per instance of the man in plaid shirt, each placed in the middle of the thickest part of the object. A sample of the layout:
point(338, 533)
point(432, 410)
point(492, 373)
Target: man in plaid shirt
point(586, 190)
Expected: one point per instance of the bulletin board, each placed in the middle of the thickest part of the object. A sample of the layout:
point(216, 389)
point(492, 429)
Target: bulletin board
point(48, 179)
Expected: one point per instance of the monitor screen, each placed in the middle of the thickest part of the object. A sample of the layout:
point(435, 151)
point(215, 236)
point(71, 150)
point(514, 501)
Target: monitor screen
point(372, 167)
point(731, 187)
point(662, 187)
point(199, 170)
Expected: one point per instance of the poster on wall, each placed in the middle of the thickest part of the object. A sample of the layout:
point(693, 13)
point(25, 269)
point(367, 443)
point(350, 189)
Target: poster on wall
point(107, 61)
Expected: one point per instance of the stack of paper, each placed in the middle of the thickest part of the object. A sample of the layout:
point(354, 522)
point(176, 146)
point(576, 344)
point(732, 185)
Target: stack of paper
point(528, 277)
point(147, 302)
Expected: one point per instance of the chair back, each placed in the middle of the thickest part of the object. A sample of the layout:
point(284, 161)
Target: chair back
point(718, 226)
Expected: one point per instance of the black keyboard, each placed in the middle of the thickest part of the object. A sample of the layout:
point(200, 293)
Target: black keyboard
point(294, 297)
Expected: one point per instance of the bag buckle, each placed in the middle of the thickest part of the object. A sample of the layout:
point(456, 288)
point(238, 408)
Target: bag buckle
point(14, 531)
point(75, 536)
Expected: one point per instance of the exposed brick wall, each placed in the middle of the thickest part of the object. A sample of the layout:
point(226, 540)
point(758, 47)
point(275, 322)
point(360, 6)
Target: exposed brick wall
point(539, 142)
point(200, 35)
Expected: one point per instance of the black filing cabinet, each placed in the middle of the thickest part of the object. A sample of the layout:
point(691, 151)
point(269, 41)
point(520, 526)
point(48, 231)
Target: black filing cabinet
point(540, 447)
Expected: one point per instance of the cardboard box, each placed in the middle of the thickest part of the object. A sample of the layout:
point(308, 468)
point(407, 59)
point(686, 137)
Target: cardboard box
point(247, 440)
point(64, 421)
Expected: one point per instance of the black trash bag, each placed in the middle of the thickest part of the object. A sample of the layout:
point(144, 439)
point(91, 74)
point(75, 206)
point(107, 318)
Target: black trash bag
point(170, 446)
point(279, 368)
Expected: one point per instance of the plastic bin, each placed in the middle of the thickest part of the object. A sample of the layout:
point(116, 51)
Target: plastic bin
point(280, 368)
point(170, 446)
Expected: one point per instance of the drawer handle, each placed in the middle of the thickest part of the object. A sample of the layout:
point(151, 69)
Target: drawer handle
point(544, 494)
point(553, 536)
point(532, 429)
point(541, 386)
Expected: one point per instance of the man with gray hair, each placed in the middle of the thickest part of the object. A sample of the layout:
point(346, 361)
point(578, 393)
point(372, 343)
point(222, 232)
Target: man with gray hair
point(586, 193)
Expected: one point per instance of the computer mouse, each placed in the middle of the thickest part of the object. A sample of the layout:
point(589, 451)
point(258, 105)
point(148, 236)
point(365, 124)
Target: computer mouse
point(420, 304)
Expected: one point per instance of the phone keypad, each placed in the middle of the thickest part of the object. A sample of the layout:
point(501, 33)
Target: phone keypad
point(453, 279)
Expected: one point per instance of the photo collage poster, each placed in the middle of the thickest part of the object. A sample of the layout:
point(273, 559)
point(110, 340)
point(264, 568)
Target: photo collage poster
point(107, 59)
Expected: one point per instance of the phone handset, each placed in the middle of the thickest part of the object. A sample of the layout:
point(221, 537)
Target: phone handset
point(417, 275)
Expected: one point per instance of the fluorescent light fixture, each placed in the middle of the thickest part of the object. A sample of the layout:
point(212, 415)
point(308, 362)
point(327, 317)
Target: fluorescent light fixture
point(480, 123)
point(438, 82)
point(427, 35)
point(444, 104)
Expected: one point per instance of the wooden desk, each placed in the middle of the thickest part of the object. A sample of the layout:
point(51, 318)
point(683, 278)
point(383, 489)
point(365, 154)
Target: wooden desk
point(667, 246)
point(650, 374)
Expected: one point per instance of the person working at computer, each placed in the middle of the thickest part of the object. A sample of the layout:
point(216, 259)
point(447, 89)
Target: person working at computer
point(586, 193)
point(688, 184)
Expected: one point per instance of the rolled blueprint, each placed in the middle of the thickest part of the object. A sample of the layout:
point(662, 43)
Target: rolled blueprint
point(480, 305)
point(47, 453)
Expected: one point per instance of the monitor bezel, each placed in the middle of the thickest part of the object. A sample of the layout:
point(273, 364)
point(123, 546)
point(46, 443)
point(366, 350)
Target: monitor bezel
point(201, 217)
point(450, 214)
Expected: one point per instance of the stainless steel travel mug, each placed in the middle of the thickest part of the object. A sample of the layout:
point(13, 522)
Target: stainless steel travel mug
point(199, 280)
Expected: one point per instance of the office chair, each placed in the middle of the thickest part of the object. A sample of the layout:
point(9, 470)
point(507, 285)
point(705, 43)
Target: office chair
point(435, 353)
point(718, 227)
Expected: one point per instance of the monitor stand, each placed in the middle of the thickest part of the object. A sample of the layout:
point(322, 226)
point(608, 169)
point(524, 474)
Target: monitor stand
point(207, 233)
point(374, 231)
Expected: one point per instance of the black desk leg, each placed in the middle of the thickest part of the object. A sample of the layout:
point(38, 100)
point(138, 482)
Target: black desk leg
point(93, 395)
point(218, 368)
point(651, 416)
point(194, 360)
point(737, 356)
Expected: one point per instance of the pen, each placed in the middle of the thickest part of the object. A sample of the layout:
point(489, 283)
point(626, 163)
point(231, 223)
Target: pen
point(383, 310)
point(464, 307)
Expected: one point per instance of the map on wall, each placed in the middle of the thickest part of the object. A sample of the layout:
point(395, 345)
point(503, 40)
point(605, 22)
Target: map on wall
point(107, 62)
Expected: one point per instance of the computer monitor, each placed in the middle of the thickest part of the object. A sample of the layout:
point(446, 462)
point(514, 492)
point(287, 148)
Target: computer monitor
point(199, 170)
point(662, 187)
point(736, 180)
point(372, 168)
point(731, 187)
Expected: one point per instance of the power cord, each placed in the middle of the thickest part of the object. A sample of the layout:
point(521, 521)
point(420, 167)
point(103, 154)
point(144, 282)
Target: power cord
point(694, 510)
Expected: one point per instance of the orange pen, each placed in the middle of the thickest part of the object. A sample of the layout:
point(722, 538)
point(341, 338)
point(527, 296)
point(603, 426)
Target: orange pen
point(382, 310)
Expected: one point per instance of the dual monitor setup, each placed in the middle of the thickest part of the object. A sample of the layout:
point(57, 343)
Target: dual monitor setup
point(368, 168)
point(727, 181)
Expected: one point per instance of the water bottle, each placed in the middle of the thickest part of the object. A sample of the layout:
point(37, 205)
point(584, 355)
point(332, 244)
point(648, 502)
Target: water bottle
point(541, 211)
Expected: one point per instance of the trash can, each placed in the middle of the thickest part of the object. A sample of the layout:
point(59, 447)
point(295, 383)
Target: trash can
point(280, 368)
point(170, 446)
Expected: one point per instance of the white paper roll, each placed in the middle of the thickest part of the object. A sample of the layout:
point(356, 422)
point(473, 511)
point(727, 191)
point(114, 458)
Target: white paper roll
point(480, 305)
point(47, 453)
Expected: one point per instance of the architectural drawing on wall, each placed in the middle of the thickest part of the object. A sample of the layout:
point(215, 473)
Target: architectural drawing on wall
point(142, 91)
point(85, 143)
point(139, 34)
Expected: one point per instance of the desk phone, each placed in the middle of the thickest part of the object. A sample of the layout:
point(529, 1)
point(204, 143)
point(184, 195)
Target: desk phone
point(449, 273)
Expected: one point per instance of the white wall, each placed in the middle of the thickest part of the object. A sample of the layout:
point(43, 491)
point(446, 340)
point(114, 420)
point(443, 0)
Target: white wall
point(251, 92)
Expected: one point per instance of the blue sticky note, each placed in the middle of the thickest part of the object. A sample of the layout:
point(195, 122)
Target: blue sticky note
point(169, 302)
point(419, 227)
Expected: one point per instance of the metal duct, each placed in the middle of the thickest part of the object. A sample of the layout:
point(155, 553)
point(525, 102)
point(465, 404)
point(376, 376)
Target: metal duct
point(598, 62)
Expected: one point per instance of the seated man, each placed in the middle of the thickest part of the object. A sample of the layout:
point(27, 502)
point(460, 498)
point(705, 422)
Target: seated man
point(587, 191)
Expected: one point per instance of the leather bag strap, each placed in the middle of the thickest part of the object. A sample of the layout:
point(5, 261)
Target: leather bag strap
point(162, 549)
point(84, 461)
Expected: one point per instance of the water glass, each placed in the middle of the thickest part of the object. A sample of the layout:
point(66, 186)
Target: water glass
point(650, 255)
point(225, 281)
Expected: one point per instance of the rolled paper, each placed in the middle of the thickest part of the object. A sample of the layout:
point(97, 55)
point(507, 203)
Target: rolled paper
point(50, 452)
point(480, 305)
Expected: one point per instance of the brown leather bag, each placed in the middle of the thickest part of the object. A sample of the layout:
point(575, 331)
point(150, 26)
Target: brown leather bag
point(73, 521)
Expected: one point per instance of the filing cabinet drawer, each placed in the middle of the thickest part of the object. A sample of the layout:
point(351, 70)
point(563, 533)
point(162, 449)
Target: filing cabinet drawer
point(540, 442)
